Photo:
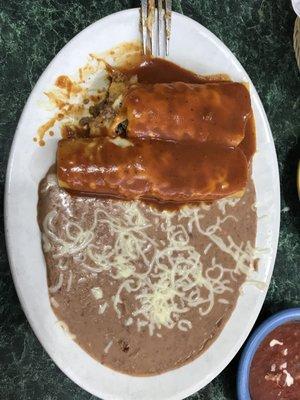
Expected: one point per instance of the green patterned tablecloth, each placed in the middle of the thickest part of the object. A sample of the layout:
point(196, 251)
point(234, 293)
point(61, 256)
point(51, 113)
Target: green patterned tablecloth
point(259, 32)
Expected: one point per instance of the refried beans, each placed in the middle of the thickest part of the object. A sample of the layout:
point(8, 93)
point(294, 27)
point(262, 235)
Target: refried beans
point(144, 291)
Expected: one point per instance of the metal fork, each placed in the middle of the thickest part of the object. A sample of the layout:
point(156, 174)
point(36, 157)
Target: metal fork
point(156, 26)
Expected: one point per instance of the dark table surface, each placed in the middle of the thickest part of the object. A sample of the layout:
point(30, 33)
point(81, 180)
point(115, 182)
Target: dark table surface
point(259, 32)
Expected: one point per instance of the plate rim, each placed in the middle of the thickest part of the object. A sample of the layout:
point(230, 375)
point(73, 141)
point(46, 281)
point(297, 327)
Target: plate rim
point(10, 246)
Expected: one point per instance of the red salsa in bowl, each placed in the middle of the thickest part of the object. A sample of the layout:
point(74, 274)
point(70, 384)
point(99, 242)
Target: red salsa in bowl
point(275, 368)
point(269, 367)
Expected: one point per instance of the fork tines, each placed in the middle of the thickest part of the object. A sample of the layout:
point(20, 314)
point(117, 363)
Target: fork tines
point(156, 26)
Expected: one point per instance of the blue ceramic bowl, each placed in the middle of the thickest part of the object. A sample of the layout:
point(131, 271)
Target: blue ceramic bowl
point(292, 314)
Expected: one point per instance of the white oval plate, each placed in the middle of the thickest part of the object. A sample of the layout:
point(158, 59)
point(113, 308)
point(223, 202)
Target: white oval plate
point(193, 47)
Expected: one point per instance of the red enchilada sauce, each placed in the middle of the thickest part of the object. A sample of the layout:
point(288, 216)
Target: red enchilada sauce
point(184, 173)
point(222, 144)
point(157, 70)
point(179, 111)
point(275, 369)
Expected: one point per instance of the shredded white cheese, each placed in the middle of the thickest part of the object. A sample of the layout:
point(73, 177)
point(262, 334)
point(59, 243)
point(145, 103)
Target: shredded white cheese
point(223, 301)
point(129, 321)
point(227, 201)
point(97, 293)
point(108, 346)
point(77, 238)
point(184, 325)
point(54, 302)
point(69, 284)
point(102, 308)
point(172, 280)
point(205, 251)
point(55, 288)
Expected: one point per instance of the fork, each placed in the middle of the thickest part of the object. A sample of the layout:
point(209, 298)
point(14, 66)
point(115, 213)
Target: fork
point(156, 26)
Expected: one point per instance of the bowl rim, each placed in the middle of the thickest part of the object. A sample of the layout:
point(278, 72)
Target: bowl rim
point(259, 334)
